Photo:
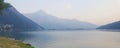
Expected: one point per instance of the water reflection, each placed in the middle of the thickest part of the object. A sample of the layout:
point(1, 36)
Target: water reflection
point(110, 30)
point(71, 39)
point(16, 35)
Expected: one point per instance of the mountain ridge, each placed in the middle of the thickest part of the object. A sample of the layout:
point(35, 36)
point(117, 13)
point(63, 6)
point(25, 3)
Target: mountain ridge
point(113, 25)
point(51, 22)
point(19, 22)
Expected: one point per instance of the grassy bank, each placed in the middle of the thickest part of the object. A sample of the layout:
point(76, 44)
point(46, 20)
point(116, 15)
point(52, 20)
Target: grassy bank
point(9, 43)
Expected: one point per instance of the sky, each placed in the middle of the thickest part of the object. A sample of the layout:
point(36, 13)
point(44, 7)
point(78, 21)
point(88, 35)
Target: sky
point(99, 12)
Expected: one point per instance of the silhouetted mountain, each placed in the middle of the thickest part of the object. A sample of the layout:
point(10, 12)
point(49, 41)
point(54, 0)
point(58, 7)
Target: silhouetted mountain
point(115, 25)
point(18, 22)
point(55, 23)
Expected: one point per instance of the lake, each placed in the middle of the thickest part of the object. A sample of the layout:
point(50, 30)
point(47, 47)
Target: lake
point(70, 39)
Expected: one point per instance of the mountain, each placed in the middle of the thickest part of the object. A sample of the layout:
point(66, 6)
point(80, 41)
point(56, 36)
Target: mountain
point(12, 18)
point(115, 25)
point(54, 23)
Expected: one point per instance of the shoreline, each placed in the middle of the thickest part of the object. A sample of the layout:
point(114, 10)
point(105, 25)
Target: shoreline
point(12, 43)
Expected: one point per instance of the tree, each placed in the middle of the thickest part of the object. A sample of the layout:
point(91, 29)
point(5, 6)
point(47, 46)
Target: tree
point(3, 5)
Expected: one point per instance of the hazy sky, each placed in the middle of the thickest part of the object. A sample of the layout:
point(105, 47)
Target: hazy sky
point(98, 12)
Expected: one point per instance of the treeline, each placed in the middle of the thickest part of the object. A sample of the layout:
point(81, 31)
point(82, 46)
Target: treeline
point(3, 5)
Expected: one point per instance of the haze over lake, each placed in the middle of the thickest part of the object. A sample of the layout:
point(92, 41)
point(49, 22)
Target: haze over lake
point(71, 39)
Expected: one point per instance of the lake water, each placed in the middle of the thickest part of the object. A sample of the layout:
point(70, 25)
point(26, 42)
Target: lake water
point(71, 39)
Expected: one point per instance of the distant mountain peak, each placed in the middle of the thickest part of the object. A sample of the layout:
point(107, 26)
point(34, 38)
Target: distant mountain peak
point(53, 22)
point(40, 12)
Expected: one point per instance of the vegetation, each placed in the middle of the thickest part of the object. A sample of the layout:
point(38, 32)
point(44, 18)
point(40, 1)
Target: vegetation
point(9, 43)
point(3, 5)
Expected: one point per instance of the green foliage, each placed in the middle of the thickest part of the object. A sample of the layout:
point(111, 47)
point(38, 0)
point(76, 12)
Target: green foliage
point(9, 43)
point(3, 5)
point(6, 5)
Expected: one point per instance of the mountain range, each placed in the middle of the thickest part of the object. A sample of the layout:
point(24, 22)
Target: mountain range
point(54, 23)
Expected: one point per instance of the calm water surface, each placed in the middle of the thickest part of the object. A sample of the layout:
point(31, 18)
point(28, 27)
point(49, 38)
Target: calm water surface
point(71, 39)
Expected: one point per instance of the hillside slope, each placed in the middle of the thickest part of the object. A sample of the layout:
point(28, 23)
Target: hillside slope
point(115, 25)
point(13, 19)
